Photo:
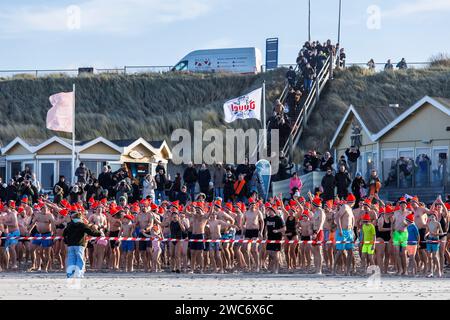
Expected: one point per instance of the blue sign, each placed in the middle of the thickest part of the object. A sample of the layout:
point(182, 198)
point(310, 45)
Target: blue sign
point(271, 53)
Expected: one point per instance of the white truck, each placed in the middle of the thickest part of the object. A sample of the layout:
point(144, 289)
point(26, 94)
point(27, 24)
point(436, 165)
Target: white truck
point(234, 60)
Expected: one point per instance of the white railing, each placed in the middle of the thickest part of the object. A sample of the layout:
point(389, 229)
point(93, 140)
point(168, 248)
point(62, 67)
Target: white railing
point(313, 97)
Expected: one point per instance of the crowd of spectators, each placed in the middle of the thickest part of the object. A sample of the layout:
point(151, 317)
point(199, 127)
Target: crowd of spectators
point(310, 60)
point(229, 182)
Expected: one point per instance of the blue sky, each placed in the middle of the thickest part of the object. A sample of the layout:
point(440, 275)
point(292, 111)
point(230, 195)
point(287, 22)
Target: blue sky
point(113, 33)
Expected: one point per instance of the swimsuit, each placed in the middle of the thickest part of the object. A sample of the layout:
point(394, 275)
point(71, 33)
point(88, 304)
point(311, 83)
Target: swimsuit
point(43, 243)
point(347, 237)
point(305, 238)
point(385, 235)
point(251, 233)
point(11, 242)
point(127, 246)
point(433, 246)
point(444, 227)
point(400, 238)
point(290, 228)
point(422, 241)
point(368, 232)
point(114, 243)
point(198, 245)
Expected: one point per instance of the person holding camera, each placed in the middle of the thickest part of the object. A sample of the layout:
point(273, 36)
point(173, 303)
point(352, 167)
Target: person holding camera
point(122, 190)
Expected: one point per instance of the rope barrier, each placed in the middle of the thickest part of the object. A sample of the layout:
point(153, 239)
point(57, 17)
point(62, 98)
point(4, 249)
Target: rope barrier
point(215, 240)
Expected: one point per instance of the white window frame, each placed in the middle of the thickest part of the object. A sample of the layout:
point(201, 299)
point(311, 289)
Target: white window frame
point(442, 148)
point(25, 163)
point(55, 169)
point(405, 149)
point(382, 151)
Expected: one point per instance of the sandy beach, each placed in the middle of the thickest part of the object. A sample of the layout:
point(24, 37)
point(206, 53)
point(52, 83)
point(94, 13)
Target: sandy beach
point(120, 286)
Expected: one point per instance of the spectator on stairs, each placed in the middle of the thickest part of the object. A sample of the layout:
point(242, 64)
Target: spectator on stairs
point(293, 100)
point(308, 77)
point(291, 76)
point(280, 121)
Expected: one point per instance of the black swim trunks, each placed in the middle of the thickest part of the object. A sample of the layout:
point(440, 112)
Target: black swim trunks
point(197, 245)
point(251, 233)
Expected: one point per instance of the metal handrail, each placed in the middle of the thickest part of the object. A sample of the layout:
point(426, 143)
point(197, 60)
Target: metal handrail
point(320, 80)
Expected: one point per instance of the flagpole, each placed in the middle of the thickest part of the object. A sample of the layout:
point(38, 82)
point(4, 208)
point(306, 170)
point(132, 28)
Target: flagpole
point(264, 113)
point(73, 137)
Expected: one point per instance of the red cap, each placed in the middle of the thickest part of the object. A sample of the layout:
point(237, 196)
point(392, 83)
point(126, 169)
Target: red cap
point(64, 212)
point(292, 202)
point(402, 199)
point(25, 200)
point(329, 204)
point(241, 206)
point(160, 210)
point(381, 210)
point(129, 217)
point(20, 209)
point(366, 217)
point(301, 200)
point(218, 203)
point(12, 204)
point(135, 208)
point(367, 202)
point(388, 209)
point(104, 201)
point(351, 198)
point(91, 200)
point(415, 199)
point(113, 210)
point(288, 207)
point(65, 203)
point(317, 202)
point(308, 205)
point(153, 207)
point(229, 206)
point(447, 205)
point(410, 217)
point(251, 200)
point(267, 204)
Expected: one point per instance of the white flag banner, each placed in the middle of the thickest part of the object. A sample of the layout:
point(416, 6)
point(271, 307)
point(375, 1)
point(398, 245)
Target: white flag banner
point(247, 106)
point(60, 115)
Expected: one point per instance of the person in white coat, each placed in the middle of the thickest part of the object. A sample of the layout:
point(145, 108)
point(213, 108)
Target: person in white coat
point(149, 186)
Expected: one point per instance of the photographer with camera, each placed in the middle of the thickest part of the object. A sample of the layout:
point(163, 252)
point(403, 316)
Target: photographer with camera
point(123, 188)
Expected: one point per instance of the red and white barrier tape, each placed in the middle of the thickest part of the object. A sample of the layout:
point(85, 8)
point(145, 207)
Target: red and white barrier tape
point(212, 241)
